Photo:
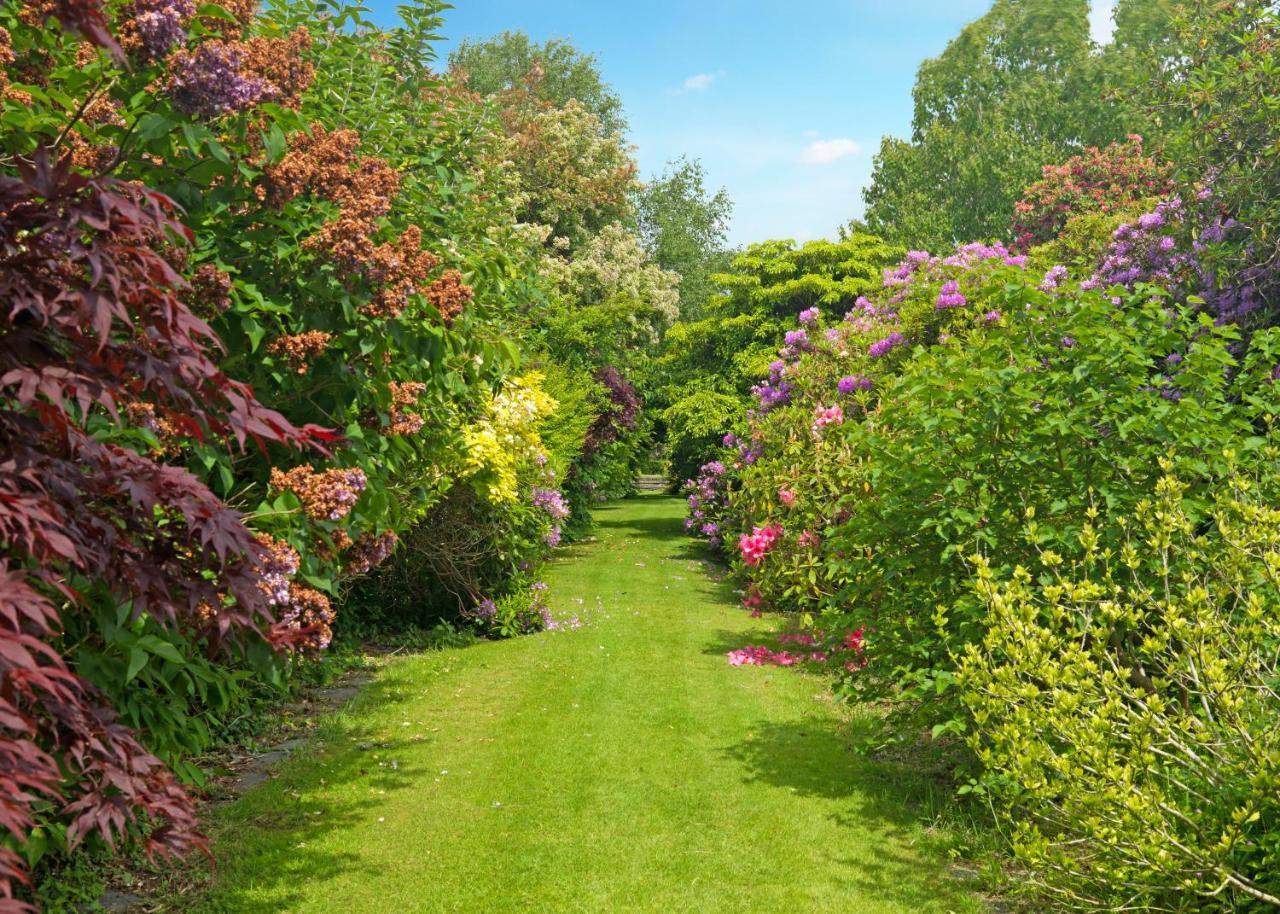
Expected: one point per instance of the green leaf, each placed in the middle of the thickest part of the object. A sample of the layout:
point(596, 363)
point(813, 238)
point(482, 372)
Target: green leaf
point(137, 660)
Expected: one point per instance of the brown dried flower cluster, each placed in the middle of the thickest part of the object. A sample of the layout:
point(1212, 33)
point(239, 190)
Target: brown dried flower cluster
point(210, 291)
point(371, 551)
point(329, 495)
point(242, 11)
point(282, 63)
point(313, 164)
point(7, 57)
point(88, 155)
point(450, 295)
point(325, 163)
point(299, 349)
point(404, 396)
point(399, 269)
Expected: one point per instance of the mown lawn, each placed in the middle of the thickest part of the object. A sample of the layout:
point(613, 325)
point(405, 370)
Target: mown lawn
point(621, 767)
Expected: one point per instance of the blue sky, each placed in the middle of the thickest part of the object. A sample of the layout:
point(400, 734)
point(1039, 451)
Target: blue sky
point(784, 102)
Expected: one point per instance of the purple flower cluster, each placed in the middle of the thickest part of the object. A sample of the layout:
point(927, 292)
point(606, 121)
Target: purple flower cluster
point(485, 611)
point(1054, 278)
point(552, 501)
point(370, 551)
point(707, 498)
point(347, 485)
point(950, 297)
point(902, 274)
point(884, 346)
point(796, 342)
point(276, 567)
point(776, 391)
point(854, 382)
point(1145, 251)
point(974, 253)
point(161, 25)
point(866, 316)
point(1152, 250)
point(208, 83)
point(809, 316)
point(552, 537)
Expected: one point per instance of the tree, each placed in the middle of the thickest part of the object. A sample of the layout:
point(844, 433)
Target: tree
point(684, 229)
point(574, 178)
point(560, 73)
point(1020, 87)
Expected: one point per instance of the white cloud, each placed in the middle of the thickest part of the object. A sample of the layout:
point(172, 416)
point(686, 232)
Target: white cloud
point(700, 82)
point(824, 152)
point(1102, 20)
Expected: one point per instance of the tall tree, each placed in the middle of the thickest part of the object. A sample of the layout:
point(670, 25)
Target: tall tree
point(684, 227)
point(555, 70)
point(1021, 87)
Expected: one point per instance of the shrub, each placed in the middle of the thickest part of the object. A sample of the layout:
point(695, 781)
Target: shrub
point(1125, 703)
point(1097, 182)
point(695, 428)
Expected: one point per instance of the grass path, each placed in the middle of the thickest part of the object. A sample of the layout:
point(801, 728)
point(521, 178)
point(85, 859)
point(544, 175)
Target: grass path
point(623, 767)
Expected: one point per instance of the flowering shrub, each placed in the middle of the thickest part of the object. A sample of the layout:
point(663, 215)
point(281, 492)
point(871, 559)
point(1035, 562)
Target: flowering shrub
point(506, 436)
point(339, 288)
point(1114, 179)
point(755, 545)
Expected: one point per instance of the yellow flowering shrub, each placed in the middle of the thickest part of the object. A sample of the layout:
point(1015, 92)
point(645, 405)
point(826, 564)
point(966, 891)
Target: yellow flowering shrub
point(507, 437)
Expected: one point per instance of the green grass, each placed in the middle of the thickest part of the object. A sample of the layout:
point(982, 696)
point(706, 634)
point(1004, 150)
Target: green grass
point(621, 767)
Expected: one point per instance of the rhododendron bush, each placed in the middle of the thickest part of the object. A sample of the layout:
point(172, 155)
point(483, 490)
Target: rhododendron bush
point(976, 411)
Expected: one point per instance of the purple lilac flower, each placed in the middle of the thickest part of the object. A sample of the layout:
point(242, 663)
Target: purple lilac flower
point(208, 82)
point(347, 486)
point(276, 567)
point(161, 25)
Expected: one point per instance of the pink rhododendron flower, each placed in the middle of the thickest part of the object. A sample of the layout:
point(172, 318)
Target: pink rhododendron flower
point(756, 544)
point(826, 415)
point(787, 497)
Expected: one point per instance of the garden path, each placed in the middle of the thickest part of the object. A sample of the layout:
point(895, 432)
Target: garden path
point(621, 767)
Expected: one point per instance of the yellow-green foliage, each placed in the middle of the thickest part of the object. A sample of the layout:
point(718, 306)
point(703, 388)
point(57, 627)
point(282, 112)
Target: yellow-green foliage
point(507, 437)
point(1126, 705)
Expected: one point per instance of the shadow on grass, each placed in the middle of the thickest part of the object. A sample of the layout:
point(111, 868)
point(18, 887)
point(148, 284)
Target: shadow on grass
point(265, 843)
point(815, 758)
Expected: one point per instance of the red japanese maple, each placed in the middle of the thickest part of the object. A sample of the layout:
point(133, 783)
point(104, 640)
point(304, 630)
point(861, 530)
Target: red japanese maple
point(93, 321)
